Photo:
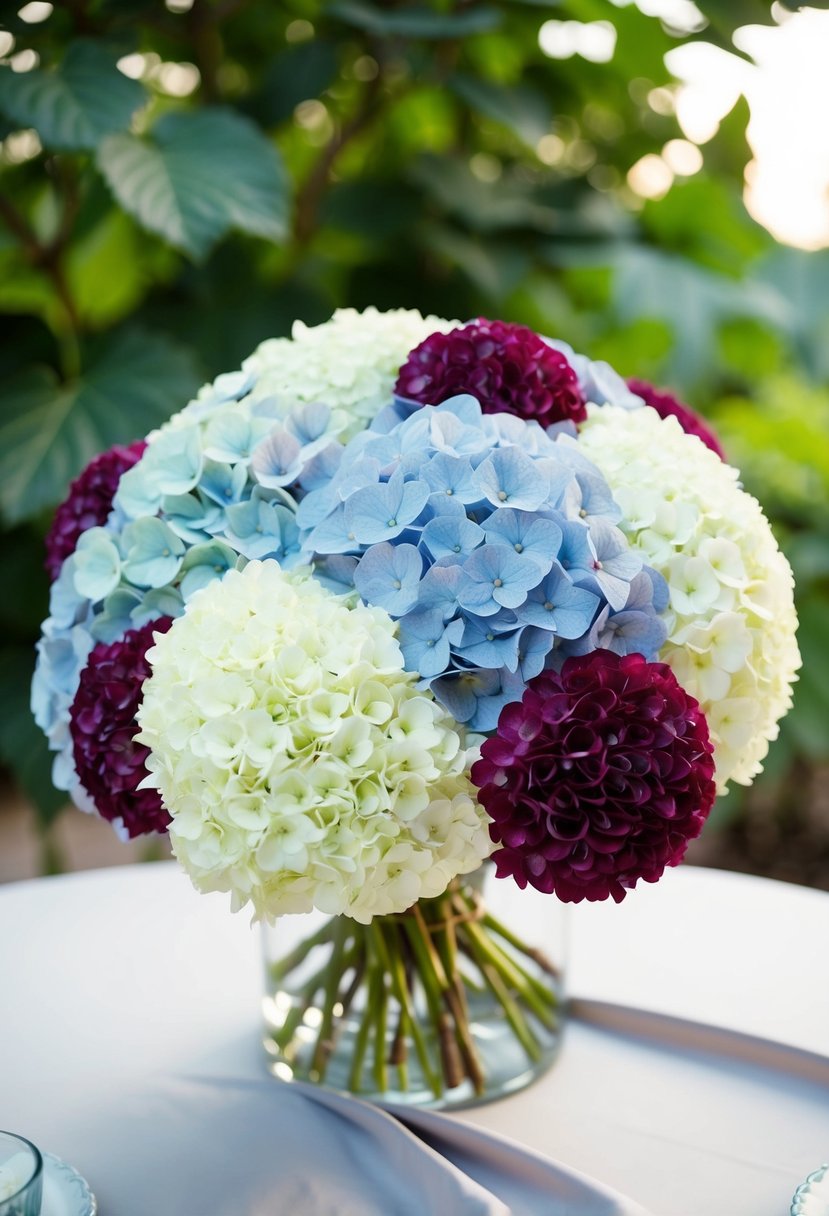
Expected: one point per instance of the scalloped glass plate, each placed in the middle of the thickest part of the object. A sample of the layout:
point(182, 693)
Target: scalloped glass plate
point(812, 1196)
point(65, 1192)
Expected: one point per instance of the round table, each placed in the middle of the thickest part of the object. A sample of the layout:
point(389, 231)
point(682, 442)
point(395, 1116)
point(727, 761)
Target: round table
point(115, 978)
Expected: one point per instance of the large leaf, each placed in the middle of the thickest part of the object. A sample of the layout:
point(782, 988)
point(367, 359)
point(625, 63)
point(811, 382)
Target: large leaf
point(198, 175)
point(415, 20)
point(75, 104)
point(297, 73)
point(692, 300)
point(802, 279)
point(49, 431)
point(495, 269)
point(23, 746)
point(521, 108)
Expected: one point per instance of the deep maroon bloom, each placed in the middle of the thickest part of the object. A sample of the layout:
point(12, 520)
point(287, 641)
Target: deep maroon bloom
point(109, 762)
point(597, 778)
point(667, 406)
point(89, 502)
point(507, 367)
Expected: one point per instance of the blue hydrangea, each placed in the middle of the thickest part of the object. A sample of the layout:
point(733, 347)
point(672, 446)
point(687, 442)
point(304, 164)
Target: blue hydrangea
point(492, 542)
point(212, 490)
point(598, 381)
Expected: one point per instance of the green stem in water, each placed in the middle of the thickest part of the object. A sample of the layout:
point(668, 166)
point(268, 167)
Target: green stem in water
point(513, 976)
point(337, 966)
point(283, 1036)
point(392, 960)
point(432, 967)
point(381, 1005)
point(538, 956)
point(500, 991)
point(297, 956)
point(355, 1079)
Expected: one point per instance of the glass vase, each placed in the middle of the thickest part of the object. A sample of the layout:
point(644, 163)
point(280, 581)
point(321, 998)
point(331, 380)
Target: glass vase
point(458, 1000)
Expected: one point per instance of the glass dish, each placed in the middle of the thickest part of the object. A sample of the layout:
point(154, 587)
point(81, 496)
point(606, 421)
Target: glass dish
point(812, 1196)
point(21, 1176)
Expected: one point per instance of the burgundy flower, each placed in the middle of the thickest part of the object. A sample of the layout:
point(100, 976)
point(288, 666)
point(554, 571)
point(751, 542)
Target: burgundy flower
point(507, 367)
point(597, 778)
point(667, 406)
point(109, 763)
point(89, 502)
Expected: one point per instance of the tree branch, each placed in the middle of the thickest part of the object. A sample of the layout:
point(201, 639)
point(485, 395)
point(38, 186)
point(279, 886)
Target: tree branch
point(310, 193)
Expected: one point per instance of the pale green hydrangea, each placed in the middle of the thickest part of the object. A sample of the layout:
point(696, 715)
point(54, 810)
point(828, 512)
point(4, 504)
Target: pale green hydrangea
point(300, 764)
point(731, 619)
point(350, 362)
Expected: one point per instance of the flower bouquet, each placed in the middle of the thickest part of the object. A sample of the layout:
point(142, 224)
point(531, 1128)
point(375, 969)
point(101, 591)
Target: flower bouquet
point(403, 599)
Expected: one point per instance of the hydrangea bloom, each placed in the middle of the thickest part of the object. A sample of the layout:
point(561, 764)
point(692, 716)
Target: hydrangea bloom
point(731, 618)
point(490, 542)
point(88, 502)
point(206, 494)
point(668, 406)
point(349, 363)
point(109, 762)
point(599, 383)
point(500, 552)
point(299, 763)
point(597, 778)
point(507, 368)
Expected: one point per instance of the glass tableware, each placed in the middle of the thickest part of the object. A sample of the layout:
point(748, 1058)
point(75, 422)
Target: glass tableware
point(812, 1196)
point(21, 1176)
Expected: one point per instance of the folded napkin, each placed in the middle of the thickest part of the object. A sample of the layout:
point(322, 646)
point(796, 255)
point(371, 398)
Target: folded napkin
point(221, 1147)
point(503, 1178)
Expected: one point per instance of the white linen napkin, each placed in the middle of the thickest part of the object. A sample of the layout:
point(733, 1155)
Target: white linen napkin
point(204, 1146)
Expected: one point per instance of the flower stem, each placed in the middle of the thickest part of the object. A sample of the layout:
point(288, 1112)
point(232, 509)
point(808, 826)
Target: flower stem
point(355, 1078)
point(393, 961)
point(432, 966)
point(512, 975)
point(500, 991)
point(411, 975)
point(289, 962)
point(381, 1006)
point(538, 956)
point(335, 969)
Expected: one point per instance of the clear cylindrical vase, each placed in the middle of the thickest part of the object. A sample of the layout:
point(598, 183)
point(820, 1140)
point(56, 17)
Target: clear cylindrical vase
point(456, 1001)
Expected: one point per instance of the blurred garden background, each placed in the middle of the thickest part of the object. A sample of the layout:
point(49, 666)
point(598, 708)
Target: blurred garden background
point(647, 180)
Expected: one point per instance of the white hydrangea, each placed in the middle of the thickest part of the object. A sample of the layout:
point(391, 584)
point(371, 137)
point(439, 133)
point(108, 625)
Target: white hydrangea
point(732, 621)
point(350, 362)
point(300, 764)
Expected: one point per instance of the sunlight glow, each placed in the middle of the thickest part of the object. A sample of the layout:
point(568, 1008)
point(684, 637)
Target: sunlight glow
point(787, 89)
point(680, 16)
point(682, 157)
point(35, 12)
point(592, 40)
point(650, 177)
point(24, 61)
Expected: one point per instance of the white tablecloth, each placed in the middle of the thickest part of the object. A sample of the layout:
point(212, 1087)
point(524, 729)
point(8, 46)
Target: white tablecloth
point(117, 981)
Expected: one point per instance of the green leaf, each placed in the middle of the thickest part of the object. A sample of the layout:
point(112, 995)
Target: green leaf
point(75, 104)
point(112, 266)
point(802, 279)
point(494, 269)
point(693, 301)
point(521, 108)
point(198, 175)
point(415, 21)
point(49, 431)
point(297, 73)
point(23, 557)
point(371, 208)
point(23, 746)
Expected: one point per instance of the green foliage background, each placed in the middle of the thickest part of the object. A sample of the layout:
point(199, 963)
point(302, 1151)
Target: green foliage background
point(352, 153)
